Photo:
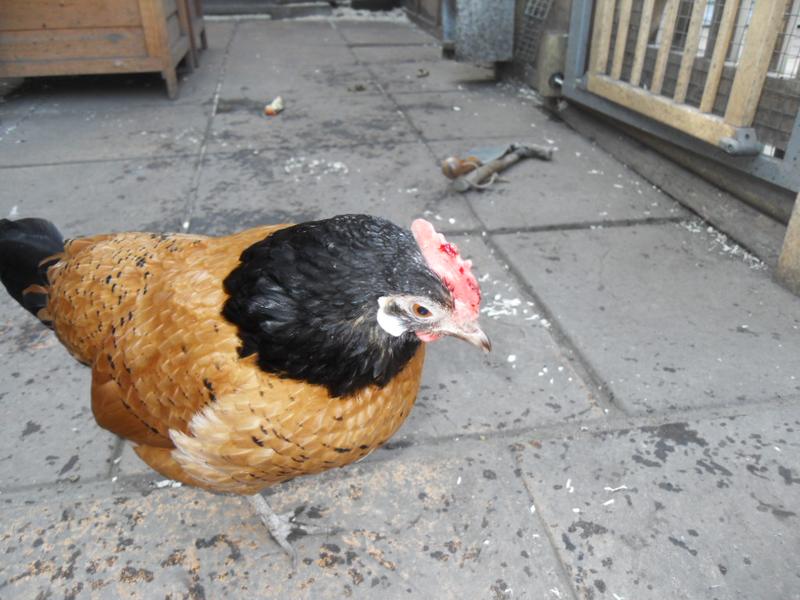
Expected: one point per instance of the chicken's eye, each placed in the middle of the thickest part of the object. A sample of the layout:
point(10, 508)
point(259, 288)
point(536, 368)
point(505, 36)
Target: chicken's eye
point(421, 311)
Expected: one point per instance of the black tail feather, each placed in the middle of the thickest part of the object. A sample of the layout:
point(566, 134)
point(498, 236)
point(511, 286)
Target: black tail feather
point(24, 244)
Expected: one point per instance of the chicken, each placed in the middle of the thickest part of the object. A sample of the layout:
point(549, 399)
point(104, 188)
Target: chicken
point(235, 363)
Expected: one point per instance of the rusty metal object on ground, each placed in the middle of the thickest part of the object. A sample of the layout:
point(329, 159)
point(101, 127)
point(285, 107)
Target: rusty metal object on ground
point(482, 165)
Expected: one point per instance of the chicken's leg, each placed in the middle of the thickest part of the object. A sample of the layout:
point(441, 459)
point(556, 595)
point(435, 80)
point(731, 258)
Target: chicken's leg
point(281, 526)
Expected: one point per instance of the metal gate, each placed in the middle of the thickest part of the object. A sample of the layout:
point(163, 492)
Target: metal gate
point(718, 77)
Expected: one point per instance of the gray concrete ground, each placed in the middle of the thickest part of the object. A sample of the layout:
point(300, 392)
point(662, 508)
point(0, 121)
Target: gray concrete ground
point(634, 434)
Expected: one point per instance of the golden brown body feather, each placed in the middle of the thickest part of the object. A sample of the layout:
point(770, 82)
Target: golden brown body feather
point(144, 311)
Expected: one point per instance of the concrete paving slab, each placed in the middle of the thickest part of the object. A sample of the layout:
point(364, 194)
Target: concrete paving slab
point(377, 55)
point(382, 33)
point(260, 44)
point(526, 381)
point(100, 197)
point(475, 114)
point(309, 123)
point(668, 315)
point(256, 33)
point(140, 131)
point(582, 184)
point(245, 82)
point(48, 431)
point(445, 522)
point(431, 76)
point(398, 182)
point(698, 509)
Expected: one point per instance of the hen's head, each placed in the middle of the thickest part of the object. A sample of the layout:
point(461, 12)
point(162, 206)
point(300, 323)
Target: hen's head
point(345, 302)
point(453, 308)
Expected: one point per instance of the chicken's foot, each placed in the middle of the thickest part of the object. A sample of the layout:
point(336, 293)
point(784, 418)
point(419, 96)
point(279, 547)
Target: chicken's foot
point(282, 526)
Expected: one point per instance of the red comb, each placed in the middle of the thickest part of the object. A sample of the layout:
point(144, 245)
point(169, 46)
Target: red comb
point(444, 260)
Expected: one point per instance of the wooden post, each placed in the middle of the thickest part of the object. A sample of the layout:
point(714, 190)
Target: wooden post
point(759, 44)
point(789, 261)
point(157, 40)
point(623, 25)
point(184, 16)
point(667, 33)
point(721, 45)
point(641, 42)
point(601, 36)
point(690, 50)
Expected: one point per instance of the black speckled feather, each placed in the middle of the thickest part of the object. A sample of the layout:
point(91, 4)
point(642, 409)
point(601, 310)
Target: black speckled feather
point(305, 300)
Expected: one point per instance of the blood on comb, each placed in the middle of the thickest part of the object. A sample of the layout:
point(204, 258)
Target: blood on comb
point(444, 260)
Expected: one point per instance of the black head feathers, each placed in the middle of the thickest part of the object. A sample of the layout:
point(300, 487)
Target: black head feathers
point(305, 300)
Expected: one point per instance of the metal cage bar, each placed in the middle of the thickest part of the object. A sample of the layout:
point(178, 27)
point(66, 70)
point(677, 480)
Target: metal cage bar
point(690, 50)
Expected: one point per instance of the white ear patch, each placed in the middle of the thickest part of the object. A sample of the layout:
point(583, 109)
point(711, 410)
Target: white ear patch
point(391, 324)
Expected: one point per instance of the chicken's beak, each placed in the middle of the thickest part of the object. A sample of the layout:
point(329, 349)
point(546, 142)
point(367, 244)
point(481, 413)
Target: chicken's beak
point(474, 335)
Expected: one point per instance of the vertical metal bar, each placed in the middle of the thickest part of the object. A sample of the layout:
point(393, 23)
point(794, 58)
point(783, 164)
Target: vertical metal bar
point(721, 46)
point(623, 23)
point(690, 50)
point(751, 74)
point(641, 42)
point(665, 45)
point(601, 36)
point(580, 26)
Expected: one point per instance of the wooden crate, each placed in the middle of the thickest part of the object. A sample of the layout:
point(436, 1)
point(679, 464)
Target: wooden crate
point(81, 37)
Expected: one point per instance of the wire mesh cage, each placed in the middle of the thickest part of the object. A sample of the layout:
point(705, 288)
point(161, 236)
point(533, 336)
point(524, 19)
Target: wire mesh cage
point(529, 35)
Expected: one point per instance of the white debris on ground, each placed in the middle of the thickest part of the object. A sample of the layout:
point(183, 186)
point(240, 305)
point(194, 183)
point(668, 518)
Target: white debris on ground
point(722, 244)
point(164, 483)
point(499, 306)
point(615, 489)
point(300, 167)
point(521, 90)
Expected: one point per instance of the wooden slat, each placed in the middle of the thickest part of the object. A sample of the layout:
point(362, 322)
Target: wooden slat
point(179, 49)
point(709, 128)
point(175, 29)
point(601, 36)
point(78, 67)
point(715, 68)
point(19, 15)
point(623, 25)
point(690, 50)
point(155, 31)
point(641, 42)
point(65, 44)
point(184, 15)
point(759, 44)
point(665, 45)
